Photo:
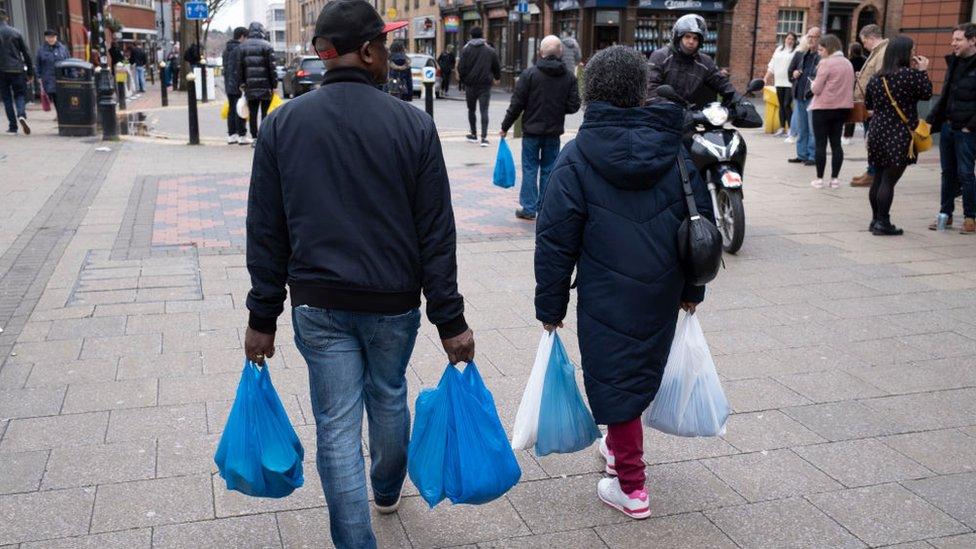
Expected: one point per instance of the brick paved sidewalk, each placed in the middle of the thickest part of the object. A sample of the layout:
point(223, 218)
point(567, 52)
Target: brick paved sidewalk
point(848, 360)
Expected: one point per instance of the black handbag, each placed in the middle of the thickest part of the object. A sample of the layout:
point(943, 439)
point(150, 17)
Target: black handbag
point(699, 240)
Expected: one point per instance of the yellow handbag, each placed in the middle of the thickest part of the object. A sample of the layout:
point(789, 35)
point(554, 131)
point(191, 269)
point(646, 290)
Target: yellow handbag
point(275, 102)
point(921, 135)
point(225, 110)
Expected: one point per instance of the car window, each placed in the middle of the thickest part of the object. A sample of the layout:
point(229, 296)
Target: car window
point(313, 65)
point(417, 62)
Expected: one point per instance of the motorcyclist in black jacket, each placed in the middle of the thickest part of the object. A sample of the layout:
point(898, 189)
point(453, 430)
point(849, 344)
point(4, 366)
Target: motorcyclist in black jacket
point(683, 66)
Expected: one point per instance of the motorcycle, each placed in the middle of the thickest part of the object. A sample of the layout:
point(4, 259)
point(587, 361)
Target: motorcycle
point(719, 154)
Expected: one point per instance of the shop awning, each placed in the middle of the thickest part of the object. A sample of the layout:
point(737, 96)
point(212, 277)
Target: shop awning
point(606, 4)
point(683, 5)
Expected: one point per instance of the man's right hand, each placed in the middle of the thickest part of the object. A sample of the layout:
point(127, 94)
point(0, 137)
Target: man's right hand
point(460, 348)
point(796, 74)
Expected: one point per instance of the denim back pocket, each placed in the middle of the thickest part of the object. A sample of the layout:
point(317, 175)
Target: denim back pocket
point(314, 328)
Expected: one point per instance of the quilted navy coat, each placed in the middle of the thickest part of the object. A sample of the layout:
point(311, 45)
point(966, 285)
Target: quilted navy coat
point(612, 210)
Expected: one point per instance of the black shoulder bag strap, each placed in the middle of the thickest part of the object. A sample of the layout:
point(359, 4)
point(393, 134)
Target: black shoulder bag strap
point(686, 185)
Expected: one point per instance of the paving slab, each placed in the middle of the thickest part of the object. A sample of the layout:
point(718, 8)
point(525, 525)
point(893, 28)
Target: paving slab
point(257, 531)
point(126, 539)
point(21, 471)
point(664, 448)
point(954, 494)
point(138, 423)
point(76, 328)
point(186, 454)
point(231, 504)
point(154, 502)
point(92, 397)
point(788, 523)
point(886, 514)
point(965, 541)
point(830, 386)
point(114, 347)
point(575, 539)
point(41, 433)
point(44, 515)
point(71, 373)
point(166, 365)
point(944, 452)
point(31, 402)
point(768, 430)
point(769, 475)
point(687, 531)
point(309, 529)
point(865, 462)
point(754, 395)
point(100, 464)
point(448, 525)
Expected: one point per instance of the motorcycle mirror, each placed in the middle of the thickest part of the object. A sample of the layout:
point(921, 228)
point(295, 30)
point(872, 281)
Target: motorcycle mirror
point(667, 92)
point(756, 85)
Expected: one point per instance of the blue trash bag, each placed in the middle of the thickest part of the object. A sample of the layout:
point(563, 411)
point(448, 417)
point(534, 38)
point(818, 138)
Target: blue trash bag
point(690, 401)
point(459, 449)
point(565, 423)
point(504, 166)
point(259, 452)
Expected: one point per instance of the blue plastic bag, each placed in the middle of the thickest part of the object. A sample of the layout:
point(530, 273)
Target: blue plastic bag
point(459, 449)
point(259, 452)
point(504, 166)
point(690, 401)
point(565, 423)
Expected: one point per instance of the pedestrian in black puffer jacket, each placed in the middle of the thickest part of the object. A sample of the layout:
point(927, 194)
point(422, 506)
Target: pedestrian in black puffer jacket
point(257, 73)
point(612, 212)
point(544, 95)
point(232, 85)
point(478, 68)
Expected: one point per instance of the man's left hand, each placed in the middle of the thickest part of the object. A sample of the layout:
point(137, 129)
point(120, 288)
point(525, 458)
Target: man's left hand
point(258, 346)
point(688, 307)
point(503, 134)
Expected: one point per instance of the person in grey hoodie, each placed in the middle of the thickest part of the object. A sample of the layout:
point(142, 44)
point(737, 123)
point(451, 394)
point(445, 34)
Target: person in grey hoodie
point(572, 54)
point(478, 69)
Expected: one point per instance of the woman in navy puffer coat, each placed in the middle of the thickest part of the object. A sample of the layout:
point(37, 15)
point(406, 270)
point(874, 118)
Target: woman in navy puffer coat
point(612, 210)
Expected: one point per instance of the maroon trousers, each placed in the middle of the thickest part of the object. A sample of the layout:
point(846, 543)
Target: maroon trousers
point(626, 443)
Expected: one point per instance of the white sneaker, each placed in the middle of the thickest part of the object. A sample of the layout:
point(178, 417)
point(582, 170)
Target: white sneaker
point(846, 141)
point(246, 140)
point(233, 139)
point(388, 509)
point(835, 183)
point(607, 456)
point(790, 139)
point(636, 505)
point(817, 183)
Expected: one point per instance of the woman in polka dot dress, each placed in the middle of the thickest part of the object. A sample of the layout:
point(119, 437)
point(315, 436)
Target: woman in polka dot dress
point(890, 137)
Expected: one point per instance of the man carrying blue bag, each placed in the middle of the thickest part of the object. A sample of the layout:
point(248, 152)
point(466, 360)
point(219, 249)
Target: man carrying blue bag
point(356, 242)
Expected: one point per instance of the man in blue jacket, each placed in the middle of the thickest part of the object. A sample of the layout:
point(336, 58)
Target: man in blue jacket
point(350, 205)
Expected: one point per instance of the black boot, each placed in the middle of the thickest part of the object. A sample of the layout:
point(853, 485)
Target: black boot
point(885, 228)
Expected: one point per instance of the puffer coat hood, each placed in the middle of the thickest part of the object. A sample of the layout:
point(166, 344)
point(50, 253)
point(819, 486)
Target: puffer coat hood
point(611, 211)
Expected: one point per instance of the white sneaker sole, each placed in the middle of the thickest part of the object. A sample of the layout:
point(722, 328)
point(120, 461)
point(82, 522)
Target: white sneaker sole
point(389, 510)
point(640, 514)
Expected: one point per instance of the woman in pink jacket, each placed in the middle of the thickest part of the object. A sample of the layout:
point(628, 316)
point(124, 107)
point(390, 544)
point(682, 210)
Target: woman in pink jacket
point(833, 99)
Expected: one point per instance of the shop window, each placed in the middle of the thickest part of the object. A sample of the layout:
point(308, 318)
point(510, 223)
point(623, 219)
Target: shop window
point(789, 21)
point(608, 18)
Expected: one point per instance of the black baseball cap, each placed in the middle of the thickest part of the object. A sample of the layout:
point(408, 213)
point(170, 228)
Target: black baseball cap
point(348, 24)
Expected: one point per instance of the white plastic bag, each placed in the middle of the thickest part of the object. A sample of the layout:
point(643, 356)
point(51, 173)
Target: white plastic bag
point(242, 110)
point(526, 428)
point(690, 402)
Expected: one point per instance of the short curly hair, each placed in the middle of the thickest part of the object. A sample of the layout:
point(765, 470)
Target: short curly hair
point(616, 75)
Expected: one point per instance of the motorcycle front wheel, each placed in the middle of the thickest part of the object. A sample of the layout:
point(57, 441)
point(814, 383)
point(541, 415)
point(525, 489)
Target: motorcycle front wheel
point(732, 219)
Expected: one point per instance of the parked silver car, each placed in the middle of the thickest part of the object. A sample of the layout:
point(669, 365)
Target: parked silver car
point(417, 63)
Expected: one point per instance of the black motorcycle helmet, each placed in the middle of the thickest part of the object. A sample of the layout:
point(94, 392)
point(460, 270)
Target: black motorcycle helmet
point(691, 23)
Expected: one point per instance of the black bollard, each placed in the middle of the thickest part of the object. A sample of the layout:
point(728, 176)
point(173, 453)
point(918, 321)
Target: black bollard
point(429, 98)
point(191, 99)
point(163, 92)
point(203, 82)
point(106, 104)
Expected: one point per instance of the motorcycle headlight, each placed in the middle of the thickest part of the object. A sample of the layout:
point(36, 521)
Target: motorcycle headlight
point(716, 114)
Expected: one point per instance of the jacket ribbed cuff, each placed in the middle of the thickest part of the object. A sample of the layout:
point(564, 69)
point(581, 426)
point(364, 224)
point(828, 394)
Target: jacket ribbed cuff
point(262, 324)
point(452, 328)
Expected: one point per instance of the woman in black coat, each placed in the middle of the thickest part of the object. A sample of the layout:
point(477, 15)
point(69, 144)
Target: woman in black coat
point(612, 210)
point(257, 73)
point(890, 138)
point(401, 76)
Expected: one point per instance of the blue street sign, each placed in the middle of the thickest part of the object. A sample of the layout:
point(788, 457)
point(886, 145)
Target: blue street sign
point(523, 6)
point(196, 10)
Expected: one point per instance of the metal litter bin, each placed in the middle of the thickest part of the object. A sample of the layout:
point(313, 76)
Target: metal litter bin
point(76, 97)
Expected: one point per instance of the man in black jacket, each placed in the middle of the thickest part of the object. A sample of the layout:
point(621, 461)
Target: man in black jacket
point(232, 86)
point(138, 59)
point(684, 67)
point(16, 71)
point(544, 95)
point(256, 71)
point(802, 69)
point(446, 62)
point(478, 69)
point(955, 114)
point(350, 206)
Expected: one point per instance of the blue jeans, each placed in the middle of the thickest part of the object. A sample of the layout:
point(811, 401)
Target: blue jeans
point(805, 144)
point(957, 150)
point(141, 79)
point(538, 157)
point(357, 359)
point(13, 90)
